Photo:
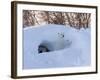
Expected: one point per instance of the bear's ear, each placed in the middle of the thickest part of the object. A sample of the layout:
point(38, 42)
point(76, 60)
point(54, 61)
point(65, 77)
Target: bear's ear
point(60, 33)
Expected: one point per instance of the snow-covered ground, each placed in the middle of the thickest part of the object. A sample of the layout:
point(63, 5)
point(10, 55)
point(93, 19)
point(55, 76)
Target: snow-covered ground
point(73, 49)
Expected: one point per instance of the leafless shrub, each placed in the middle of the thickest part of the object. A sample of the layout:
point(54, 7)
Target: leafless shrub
point(77, 20)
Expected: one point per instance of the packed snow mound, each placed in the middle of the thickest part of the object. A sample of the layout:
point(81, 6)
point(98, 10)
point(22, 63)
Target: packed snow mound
point(69, 47)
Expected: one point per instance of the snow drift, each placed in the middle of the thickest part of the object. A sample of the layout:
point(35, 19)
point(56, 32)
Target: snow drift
point(69, 47)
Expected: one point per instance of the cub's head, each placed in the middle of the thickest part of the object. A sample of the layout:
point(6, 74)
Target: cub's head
point(61, 35)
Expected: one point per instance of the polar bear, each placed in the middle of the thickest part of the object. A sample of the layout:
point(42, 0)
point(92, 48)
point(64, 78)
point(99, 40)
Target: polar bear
point(59, 43)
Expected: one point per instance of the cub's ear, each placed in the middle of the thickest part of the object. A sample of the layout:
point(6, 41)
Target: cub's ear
point(60, 33)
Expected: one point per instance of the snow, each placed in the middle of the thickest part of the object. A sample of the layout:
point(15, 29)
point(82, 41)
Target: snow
point(72, 50)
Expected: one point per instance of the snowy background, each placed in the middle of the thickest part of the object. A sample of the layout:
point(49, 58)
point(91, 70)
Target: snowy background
point(72, 50)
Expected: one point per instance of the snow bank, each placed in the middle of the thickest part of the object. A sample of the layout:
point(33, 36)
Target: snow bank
point(70, 51)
